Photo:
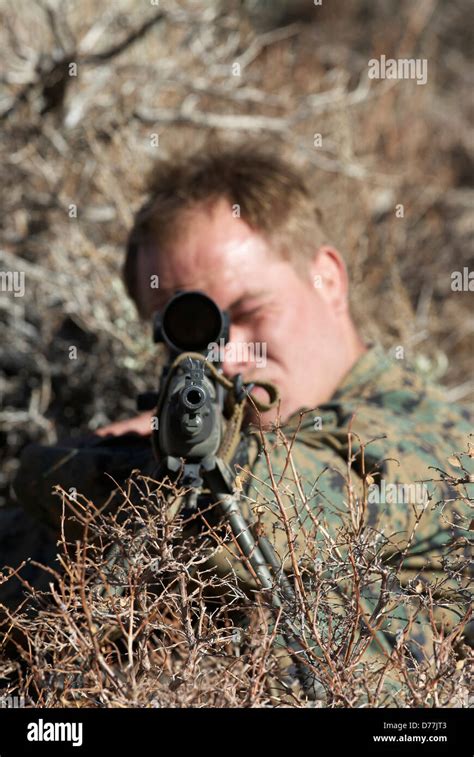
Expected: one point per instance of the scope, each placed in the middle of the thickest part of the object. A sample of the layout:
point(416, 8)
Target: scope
point(190, 322)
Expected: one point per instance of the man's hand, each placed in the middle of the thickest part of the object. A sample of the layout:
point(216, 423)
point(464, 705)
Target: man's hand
point(140, 424)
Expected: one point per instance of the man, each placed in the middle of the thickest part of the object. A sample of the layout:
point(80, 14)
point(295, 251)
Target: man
point(241, 225)
point(353, 424)
point(248, 236)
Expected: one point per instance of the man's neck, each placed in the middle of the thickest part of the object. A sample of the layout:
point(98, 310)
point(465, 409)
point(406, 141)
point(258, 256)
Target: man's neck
point(355, 347)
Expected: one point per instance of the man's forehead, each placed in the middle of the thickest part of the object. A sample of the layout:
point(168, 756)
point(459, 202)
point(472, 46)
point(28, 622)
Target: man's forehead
point(226, 299)
point(224, 266)
point(221, 285)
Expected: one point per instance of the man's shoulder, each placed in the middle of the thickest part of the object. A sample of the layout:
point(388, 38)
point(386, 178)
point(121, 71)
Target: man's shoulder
point(388, 408)
point(390, 391)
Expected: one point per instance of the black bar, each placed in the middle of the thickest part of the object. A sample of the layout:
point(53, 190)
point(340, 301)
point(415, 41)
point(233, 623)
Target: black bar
point(312, 731)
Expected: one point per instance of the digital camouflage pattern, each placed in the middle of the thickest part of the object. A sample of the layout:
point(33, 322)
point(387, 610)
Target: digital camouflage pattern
point(409, 434)
point(399, 430)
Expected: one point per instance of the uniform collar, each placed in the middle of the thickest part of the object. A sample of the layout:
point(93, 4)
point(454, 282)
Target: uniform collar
point(373, 363)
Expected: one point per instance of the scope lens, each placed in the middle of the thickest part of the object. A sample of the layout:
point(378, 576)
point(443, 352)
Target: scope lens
point(191, 321)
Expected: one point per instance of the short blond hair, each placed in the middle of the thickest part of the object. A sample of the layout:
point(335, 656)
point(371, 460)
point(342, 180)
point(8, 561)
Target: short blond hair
point(271, 196)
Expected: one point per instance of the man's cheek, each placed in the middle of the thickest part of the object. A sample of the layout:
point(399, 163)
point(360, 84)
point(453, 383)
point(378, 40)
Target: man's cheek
point(262, 336)
point(277, 327)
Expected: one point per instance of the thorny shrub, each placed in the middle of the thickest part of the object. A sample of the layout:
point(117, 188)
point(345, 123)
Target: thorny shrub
point(135, 617)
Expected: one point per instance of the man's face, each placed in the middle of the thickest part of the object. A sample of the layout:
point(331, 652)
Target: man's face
point(282, 314)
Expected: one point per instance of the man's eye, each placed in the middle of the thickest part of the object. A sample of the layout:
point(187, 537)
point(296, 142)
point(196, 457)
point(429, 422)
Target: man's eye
point(247, 313)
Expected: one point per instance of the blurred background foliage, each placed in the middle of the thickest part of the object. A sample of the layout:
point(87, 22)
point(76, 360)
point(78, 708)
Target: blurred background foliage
point(142, 70)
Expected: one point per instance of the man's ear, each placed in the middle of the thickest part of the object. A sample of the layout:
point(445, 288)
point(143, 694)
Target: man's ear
point(329, 275)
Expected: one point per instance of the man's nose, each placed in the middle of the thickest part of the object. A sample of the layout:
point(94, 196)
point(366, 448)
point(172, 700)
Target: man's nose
point(236, 356)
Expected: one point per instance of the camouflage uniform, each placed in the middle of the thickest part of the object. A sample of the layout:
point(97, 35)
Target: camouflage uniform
point(401, 430)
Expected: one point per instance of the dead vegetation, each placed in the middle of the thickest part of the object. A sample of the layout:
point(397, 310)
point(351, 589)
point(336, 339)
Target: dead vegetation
point(134, 616)
point(90, 95)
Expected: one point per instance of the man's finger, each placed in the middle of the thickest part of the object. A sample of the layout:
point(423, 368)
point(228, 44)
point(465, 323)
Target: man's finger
point(140, 424)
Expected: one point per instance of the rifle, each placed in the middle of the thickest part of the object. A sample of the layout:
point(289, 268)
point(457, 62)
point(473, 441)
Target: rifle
point(196, 438)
